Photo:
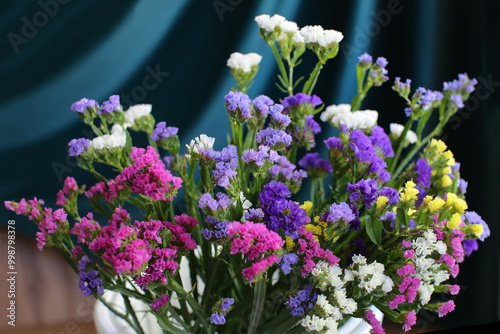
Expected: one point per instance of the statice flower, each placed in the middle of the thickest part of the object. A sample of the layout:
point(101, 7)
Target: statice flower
point(275, 139)
point(161, 131)
point(364, 189)
point(365, 152)
point(262, 103)
point(243, 62)
point(148, 176)
point(382, 141)
point(365, 58)
point(279, 212)
point(279, 119)
point(135, 112)
point(78, 146)
point(90, 283)
point(225, 173)
point(397, 129)
point(424, 172)
point(473, 218)
point(197, 144)
point(117, 138)
point(303, 301)
point(82, 105)
point(217, 229)
point(269, 23)
point(286, 262)
point(258, 244)
point(342, 115)
point(211, 206)
point(260, 161)
point(220, 311)
point(159, 303)
point(298, 99)
point(314, 165)
point(238, 106)
point(86, 229)
point(112, 104)
point(317, 35)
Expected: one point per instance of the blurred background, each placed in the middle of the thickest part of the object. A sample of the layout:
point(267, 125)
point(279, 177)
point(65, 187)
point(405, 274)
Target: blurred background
point(172, 54)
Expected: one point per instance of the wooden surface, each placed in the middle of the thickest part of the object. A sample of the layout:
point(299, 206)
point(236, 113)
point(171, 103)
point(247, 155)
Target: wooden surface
point(46, 292)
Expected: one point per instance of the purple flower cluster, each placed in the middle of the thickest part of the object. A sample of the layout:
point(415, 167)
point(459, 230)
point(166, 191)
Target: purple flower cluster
point(337, 212)
point(161, 131)
point(391, 193)
point(285, 171)
point(364, 189)
point(256, 159)
point(218, 317)
point(217, 228)
point(473, 218)
point(261, 104)
point(378, 72)
point(365, 152)
point(279, 212)
point(275, 139)
point(365, 58)
point(279, 119)
point(382, 141)
point(225, 167)
point(82, 105)
point(107, 107)
point(462, 84)
point(238, 106)
point(300, 98)
point(334, 143)
point(211, 206)
point(89, 282)
point(78, 146)
point(304, 135)
point(302, 302)
point(286, 262)
point(314, 165)
point(424, 172)
point(158, 303)
point(254, 215)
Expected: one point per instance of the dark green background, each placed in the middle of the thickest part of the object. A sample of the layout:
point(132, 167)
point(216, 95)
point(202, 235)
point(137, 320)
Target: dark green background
point(51, 56)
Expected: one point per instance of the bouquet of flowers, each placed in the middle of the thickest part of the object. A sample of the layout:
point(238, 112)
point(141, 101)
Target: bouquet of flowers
point(386, 224)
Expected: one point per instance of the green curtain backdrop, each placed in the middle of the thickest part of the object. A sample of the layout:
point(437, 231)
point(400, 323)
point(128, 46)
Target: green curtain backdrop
point(172, 54)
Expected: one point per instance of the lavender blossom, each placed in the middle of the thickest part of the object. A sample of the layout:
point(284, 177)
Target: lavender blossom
point(161, 131)
point(107, 107)
point(82, 105)
point(238, 106)
point(275, 139)
point(78, 146)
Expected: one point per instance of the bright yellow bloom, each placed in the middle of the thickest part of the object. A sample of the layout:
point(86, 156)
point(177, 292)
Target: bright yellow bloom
point(446, 170)
point(307, 206)
point(435, 204)
point(446, 181)
point(427, 199)
point(439, 145)
point(454, 221)
point(451, 198)
point(477, 229)
point(460, 205)
point(411, 211)
point(289, 244)
point(381, 201)
point(314, 229)
point(409, 192)
point(451, 160)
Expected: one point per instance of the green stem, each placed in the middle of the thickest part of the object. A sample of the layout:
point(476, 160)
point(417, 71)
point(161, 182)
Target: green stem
point(130, 310)
point(281, 65)
point(313, 78)
point(118, 314)
point(258, 306)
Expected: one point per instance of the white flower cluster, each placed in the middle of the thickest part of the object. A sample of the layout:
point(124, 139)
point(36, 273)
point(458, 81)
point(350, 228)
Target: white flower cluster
point(397, 129)
point(117, 138)
point(203, 141)
point(428, 269)
point(341, 114)
point(371, 276)
point(329, 309)
point(316, 34)
point(308, 34)
point(135, 112)
point(244, 62)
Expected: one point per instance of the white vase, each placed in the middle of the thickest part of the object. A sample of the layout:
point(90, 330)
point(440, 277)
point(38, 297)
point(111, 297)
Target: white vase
point(106, 322)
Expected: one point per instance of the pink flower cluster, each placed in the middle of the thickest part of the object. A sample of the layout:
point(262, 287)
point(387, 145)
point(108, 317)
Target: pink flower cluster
point(158, 303)
point(312, 249)
point(148, 175)
point(86, 230)
point(68, 190)
point(164, 259)
point(119, 244)
point(108, 190)
point(376, 326)
point(257, 243)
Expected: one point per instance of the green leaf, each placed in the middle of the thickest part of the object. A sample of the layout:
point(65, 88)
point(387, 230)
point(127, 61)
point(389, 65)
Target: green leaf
point(167, 325)
point(374, 229)
point(422, 122)
point(401, 219)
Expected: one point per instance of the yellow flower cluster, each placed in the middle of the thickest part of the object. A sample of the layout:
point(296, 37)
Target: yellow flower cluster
point(438, 147)
point(409, 192)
